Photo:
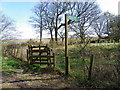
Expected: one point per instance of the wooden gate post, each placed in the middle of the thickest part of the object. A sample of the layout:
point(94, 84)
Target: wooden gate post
point(67, 64)
point(27, 55)
point(54, 61)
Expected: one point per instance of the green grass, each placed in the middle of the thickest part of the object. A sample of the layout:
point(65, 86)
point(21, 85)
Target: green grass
point(9, 64)
point(104, 45)
point(104, 54)
point(76, 64)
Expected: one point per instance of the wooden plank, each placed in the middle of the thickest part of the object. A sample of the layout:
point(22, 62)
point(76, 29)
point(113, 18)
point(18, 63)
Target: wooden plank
point(42, 56)
point(34, 46)
point(38, 46)
point(39, 51)
point(43, 46)
point(39, 59)
point(41, 63)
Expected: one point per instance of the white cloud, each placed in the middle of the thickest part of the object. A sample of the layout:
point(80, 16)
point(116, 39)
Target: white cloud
point(109, 5)
point(26, 30)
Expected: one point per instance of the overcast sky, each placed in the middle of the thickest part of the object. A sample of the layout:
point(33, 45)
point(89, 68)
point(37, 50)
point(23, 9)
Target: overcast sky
point(20, 11)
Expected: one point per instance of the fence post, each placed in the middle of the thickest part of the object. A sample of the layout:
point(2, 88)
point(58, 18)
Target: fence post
point(67, 67)
point(54, 61)
point(27, 55)
point(90, 68)
point(30, 54)
point(83, 60)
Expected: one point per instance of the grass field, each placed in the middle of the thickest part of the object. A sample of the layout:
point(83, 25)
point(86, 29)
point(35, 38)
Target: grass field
point(105, 58)
point(104, 72)
point(9, 64)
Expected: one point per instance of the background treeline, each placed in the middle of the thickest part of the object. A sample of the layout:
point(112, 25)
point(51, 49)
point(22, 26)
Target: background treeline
point(49, 16)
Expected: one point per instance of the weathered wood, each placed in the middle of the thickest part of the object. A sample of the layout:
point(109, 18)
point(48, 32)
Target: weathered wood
point(67, 66)
point(66, 36)
point(54, 61)
point(41, 58)
point(41, 63)
point(38, 46)
point(42, 51)
point(90, 68)
point(27, 56)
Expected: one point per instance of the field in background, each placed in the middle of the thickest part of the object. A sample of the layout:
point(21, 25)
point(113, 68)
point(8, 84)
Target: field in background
point(44, 40)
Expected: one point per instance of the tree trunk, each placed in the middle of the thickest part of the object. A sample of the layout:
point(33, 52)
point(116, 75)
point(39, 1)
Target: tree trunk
point(99, 38)
point(51, 35)
point(56, 39)
point(56, 28)
point(82, 39)
point(62, 39)
point(56, 31)
point(40, 34)
point(41, 30)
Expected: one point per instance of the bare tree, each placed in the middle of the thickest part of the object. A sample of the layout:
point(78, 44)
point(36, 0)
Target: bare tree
point(61, 34)
point(110, 18)
point(54, 16)
point(37, 19)
point(87, 12)
point(5, 23)
point(115, 29)
point(54, 11)
point(99, 26)
point(49, 20)
point(60, 9)
point(7, 28)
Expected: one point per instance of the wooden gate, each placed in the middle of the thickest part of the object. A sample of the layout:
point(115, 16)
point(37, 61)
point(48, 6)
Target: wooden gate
point(40, 55)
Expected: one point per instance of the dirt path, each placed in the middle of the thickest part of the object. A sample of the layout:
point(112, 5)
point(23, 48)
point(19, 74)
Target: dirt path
point(28, 80)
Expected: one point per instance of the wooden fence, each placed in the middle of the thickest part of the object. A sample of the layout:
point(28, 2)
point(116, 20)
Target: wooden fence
point(15, 50)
